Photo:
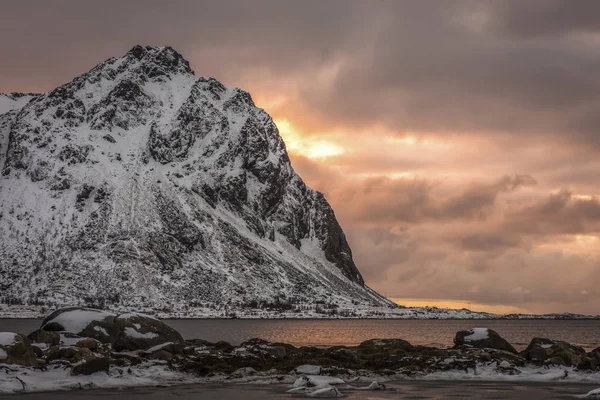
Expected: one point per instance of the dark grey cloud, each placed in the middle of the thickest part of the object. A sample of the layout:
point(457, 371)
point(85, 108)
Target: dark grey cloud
point(429, 67)
point(414, 201)
point(534, 18)
point(558, 213)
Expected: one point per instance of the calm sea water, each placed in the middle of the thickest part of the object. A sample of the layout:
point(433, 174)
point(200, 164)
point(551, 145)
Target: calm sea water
point(351, 332)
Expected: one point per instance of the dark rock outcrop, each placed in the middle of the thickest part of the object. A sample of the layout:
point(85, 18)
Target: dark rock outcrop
point(91, 366)
point(84, 322)
point(482, 338)
point(140, 332)
point(556, 352)
point(124, 332)
point(16, 349)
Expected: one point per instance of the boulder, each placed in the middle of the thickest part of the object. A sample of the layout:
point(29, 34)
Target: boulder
point(555, 352)
point(389, 346)
point(588, 364)
point(81, 321)
point(71, 354)
point(91, 366)
point(141, 332)
point(563, 353)
point(263, 349)
point(536, 351)
point(16, 349)
point(343, 354)
point(308, 369)
point(506, 368)
point(482, 338)
point(125, 332)
point(47, 337)
point(89, 343)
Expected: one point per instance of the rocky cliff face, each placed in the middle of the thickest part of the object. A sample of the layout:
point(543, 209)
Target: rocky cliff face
point(138, 184)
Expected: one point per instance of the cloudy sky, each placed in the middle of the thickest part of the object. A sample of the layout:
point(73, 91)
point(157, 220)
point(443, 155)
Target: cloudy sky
point(458, 141)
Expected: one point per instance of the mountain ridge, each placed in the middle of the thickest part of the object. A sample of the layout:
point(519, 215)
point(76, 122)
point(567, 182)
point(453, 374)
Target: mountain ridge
point(139, 184)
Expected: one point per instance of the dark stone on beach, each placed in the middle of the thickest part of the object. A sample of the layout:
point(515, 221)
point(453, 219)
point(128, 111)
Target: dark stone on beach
point(19, 352)
point(343, 354)
point(141, 332)
point(553, 352)
point(89, 343)
point(91, 366)
point(263, 349)
point(536, 351)
point(101, 328)
point(165, 353)
point(223, 346)
point(588, 364)
point(48, 337)
point(38, 352)
point(563, 353)
point(492, 341)
point(122, 359)
point(71, 354)
point(124, 332)
point(390, 346)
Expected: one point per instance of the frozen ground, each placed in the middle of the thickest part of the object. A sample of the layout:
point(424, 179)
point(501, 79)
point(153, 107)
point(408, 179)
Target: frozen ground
point(397, 389)
point(16, 379)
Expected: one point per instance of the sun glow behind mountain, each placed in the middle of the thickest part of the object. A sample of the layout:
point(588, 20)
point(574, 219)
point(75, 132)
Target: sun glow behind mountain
point(297, 142)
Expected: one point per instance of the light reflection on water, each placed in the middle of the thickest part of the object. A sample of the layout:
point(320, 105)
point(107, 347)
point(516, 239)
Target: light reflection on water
point(351, 332)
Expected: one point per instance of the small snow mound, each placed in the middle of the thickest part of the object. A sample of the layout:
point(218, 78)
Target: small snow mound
point(244, 372)
point(77, 320)
point(138, 335)
point(130, 315)
point(319, 380)
point(376, 386)
point(101, 330)
point(592, 394)
point(301, 382)
point(157, 347)
point(504, 364)
point(477, 334)
point(7, 338)
point(308, 369)
point(327, 392)
point(299, 390)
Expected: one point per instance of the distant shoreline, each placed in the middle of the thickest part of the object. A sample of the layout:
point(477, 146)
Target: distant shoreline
point(348, 319)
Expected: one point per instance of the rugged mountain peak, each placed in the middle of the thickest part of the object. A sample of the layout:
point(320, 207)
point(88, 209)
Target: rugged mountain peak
point(157, 61)
point(161, 188)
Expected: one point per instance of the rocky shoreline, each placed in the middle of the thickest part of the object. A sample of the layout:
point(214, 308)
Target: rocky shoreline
point(85, 348)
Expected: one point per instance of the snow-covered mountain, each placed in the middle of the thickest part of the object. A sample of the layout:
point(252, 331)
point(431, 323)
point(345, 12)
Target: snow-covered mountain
point(140, 185)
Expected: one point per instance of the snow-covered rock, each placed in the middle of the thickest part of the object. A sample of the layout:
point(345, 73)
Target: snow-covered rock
point(136, 331)
point(325, 392)
point(139, 185)
point(128, 331)
point(308, 369)
point(592, 394)
point(477, 334)
point(376, 386)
